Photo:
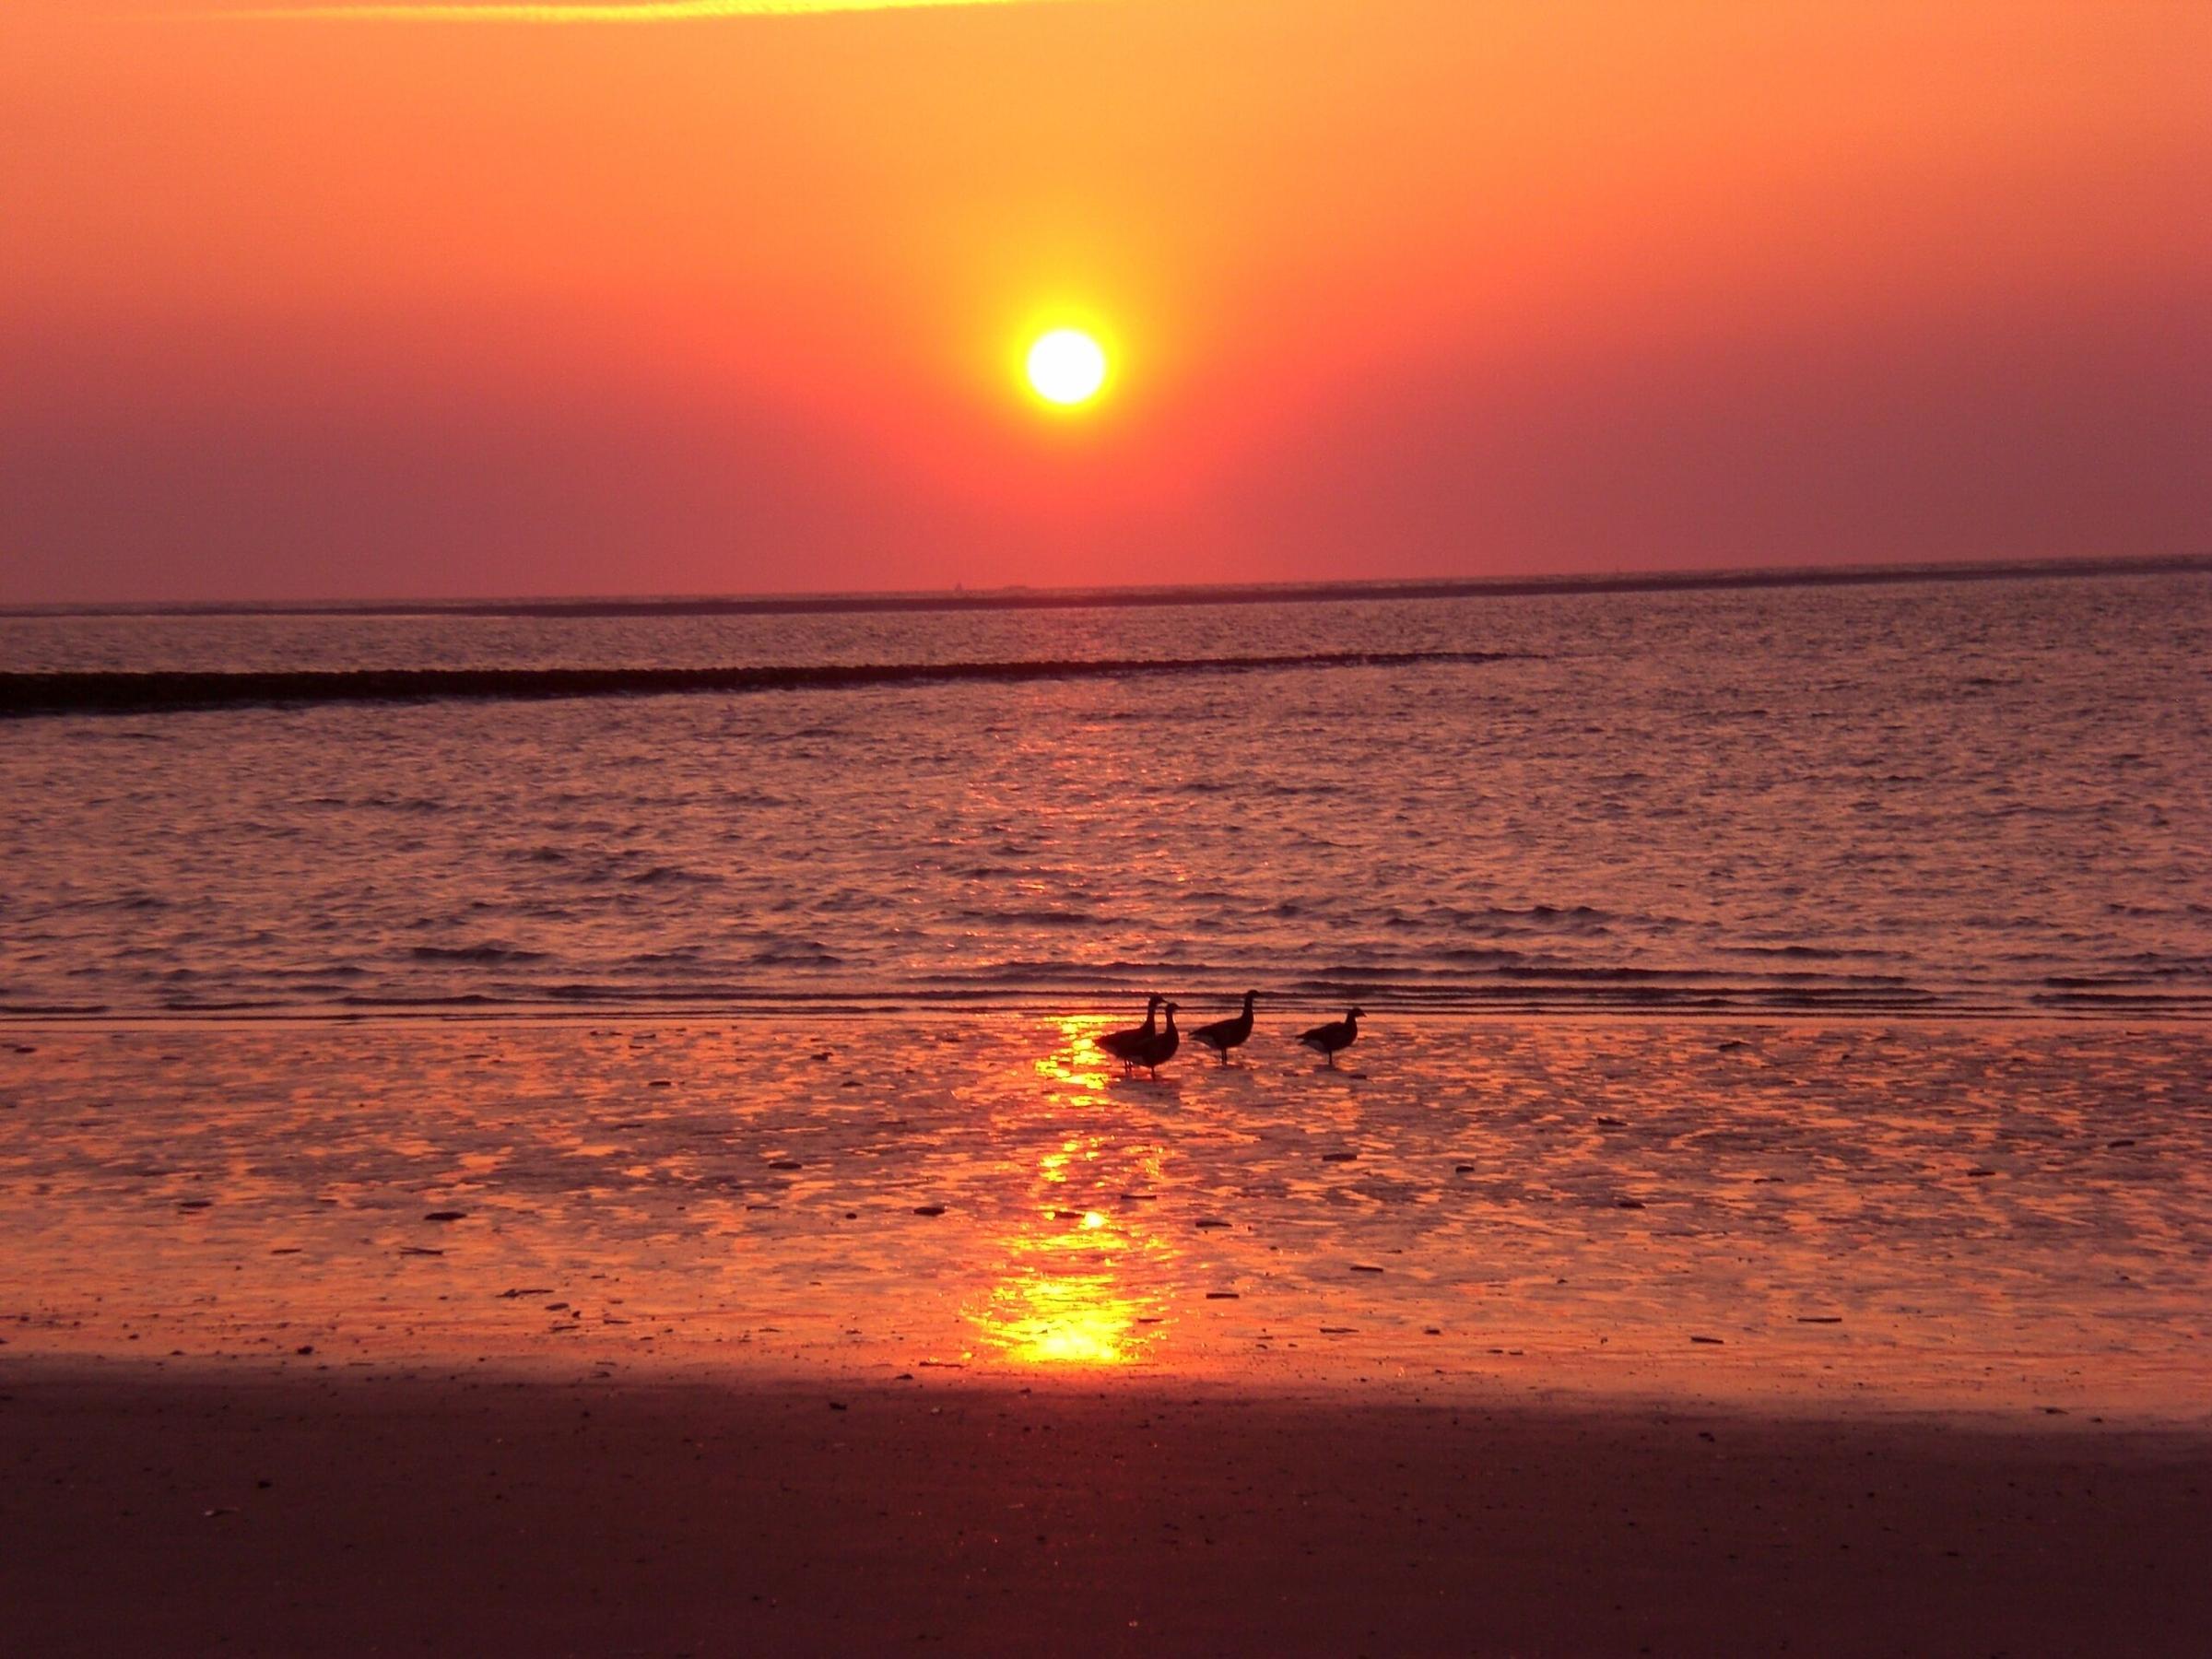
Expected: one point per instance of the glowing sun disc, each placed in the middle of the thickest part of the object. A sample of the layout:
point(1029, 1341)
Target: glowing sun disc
point(1067, 367)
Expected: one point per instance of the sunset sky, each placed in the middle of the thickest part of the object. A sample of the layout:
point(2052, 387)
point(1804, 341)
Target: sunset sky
point(688, 298)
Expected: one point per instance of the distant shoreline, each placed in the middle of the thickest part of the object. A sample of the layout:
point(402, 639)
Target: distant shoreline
point(1107, 598)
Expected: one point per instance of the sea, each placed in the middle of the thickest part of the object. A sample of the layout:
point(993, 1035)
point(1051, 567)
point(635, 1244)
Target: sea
point(1776, 992)
point(1942, 793)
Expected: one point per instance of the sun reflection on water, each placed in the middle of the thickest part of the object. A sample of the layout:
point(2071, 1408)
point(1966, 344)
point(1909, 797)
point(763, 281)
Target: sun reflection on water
point(1082, 1282)
point(1077, 1290)
point(1075, 1063)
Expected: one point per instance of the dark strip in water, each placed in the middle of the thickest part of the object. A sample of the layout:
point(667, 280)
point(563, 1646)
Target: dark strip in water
point(1024, 598)
point(90, 693)
point(1291, 1009)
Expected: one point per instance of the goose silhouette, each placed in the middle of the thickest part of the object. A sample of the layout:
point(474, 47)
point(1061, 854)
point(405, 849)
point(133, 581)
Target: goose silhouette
point(1226, 1034)
point(1335, 1037)
point(1159, 1048)
point(1123, 1045)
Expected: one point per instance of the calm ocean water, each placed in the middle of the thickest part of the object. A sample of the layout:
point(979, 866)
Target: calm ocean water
point(1991, 796)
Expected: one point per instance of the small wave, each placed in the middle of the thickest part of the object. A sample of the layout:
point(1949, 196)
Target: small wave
point(1027, 918)
point(2135, 1002)
point(156, 693)
point(1571, 918)
point(1812, 953)
point(467, 999)
point(1505, 921)
point(672, 875)
point(474, 953)
point(137, 900)
point(766, 989)
point(2146, 976)
point(795, 953)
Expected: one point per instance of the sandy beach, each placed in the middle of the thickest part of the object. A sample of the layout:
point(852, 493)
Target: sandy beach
point(381, 1513)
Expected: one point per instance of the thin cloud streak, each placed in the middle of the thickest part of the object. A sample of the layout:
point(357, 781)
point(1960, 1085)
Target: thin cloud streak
point(586, 11)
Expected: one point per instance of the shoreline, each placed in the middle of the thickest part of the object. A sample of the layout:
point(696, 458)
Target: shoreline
point(1107, 1007)
point(1544, 1385)
point(380, 1514)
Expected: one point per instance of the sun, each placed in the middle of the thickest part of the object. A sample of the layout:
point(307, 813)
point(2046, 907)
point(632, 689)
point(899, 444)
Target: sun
point(1067, 367)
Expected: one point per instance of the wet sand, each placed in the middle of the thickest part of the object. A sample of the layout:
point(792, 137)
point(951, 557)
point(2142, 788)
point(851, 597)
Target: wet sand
point(377, 1512)
point(1992, 1216)
point(721, 1335)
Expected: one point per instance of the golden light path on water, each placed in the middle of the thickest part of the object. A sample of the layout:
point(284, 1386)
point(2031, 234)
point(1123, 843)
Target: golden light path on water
point(1079, 1284)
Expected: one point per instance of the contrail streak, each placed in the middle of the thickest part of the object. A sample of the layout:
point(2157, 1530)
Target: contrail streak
point(583, 11)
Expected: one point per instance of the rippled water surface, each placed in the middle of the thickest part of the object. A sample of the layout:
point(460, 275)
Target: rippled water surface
point(1935, 796)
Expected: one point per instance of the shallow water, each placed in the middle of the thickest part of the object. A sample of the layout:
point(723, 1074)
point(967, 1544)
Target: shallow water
point(1934, 797)
point(2005, 1215)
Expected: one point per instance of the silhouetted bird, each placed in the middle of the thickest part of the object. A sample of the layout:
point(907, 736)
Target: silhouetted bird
point(1226, 1034)
point(1123, 1045)
point(1159, 1049)
point(1337, 1035)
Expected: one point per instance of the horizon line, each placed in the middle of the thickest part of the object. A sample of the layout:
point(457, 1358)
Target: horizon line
point(1022, 598)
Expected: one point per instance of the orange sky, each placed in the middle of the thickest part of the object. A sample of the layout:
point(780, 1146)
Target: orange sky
point(351, 306)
